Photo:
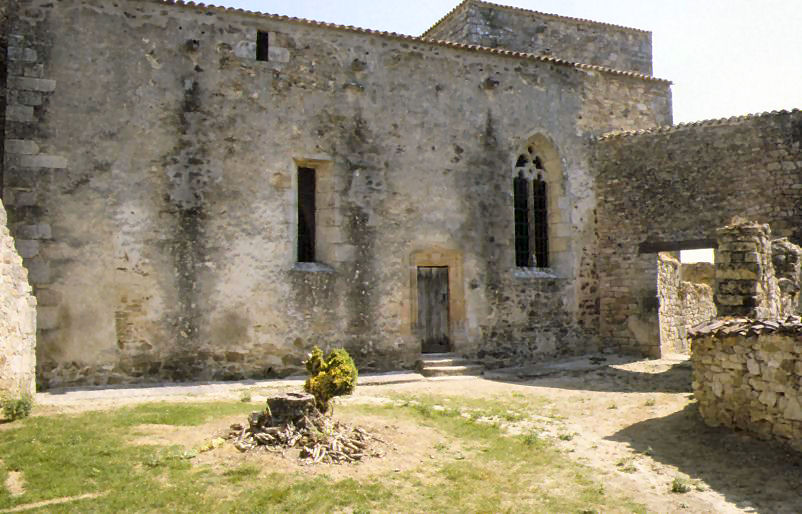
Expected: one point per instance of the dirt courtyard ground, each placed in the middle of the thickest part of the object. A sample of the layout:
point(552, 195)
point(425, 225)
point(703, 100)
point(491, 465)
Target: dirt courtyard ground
point(635, 423)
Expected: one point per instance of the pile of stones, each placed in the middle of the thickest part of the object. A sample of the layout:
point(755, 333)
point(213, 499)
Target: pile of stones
point(291, 420)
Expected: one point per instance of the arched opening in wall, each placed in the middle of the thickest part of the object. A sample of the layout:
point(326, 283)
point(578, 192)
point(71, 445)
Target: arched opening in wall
point(685, 281)
point(542, 231)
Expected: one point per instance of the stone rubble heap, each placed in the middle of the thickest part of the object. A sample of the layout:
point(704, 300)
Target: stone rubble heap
point(292, 421)
point(747, 374)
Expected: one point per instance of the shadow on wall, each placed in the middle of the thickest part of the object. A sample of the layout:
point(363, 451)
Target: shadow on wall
point(748, 472)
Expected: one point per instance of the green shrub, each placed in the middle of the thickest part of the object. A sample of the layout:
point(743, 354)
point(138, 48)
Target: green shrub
point(17, 407)
point(680, 485)
point(332, 375)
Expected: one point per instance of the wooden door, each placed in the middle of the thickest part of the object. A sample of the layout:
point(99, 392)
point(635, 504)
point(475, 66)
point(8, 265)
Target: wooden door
point(433, 309)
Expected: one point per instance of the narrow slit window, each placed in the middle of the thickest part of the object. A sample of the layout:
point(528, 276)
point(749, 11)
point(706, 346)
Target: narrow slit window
point(521, 205)
point(306, 215)
point(541, 218)
point(262, 44)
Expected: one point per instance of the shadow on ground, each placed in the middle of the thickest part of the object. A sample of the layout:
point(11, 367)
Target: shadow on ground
point(674, 377)
point(750, 473)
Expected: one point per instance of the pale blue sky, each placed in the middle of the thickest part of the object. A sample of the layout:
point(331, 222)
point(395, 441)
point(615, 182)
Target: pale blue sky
point(725, 57)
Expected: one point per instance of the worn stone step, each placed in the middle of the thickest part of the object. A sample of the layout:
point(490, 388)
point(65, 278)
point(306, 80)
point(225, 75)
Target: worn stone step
point(450, 371)
point(445, 360)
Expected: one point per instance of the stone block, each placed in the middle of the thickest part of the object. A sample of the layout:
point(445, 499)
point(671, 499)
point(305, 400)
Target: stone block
point(31, 98)
point(43, 161)
point(793, 409)
point(24, 198)
point(16, 53)
point(46, 296)
point(38, 271)
point(32, 84)
point(21, 113)
point(21, 146)
point(27, 248)
point(35, 71)
point(36, 231)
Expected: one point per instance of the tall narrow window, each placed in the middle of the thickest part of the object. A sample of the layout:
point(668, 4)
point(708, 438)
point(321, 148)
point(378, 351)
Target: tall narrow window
point(306, 215)
point(262, 41)
point(541, 217)
point(531, 206)
point(521, 204)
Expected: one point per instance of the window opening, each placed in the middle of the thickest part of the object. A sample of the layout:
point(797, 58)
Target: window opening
point(306, 215)
point(541, 217)
point(261, 46)
point(521, 205)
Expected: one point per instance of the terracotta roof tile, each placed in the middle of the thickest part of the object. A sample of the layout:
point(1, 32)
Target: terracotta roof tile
point(702, 123)
point(422, 40)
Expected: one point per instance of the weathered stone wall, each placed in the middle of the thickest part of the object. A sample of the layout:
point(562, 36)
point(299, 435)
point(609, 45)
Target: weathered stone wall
point(698, 273)
point(169, 207)
point(745, 281)
point(786, 258)
point(677, 186)
point(4, 10)
point(496, 26)
point(748, 374)
point(683, 304)
point(17, 320)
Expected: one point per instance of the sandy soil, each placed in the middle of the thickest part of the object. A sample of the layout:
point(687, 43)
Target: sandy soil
point(635, 423)
point(407, 445)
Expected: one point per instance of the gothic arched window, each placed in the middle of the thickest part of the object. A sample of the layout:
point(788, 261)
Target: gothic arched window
point(531, 210)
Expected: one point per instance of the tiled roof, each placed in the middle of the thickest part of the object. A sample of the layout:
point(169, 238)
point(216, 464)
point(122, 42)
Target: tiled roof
point(724, 327)
point(464, 3)
point(415, 39)
point(703, 123)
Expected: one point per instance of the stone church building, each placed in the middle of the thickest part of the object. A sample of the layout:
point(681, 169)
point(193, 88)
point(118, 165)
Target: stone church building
point(207, 193)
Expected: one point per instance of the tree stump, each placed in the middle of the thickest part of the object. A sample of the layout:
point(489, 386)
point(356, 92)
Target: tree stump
point(286, 407)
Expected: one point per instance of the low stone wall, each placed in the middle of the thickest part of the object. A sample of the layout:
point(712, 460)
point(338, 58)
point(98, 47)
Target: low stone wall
point(747, 374)
point(17, 319)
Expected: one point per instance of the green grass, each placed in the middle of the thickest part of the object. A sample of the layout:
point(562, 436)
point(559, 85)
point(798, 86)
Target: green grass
point(69, 455)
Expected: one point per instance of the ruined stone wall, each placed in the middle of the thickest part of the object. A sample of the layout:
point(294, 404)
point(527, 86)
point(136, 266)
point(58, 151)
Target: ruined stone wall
point(170, 206)
point(746, 284)
point(677, 186)
point(17, 320)
point(683, 304)
point(786, 258)
point(748, 374)
point(521, 30)
point(698, 273)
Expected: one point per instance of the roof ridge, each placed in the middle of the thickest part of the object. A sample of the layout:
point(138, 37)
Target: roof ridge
point(530, 11)
point(713, 122)
point(419, 39)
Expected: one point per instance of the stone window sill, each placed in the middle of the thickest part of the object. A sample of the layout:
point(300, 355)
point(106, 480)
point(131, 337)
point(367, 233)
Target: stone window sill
point(312, 267)
point(534, 273)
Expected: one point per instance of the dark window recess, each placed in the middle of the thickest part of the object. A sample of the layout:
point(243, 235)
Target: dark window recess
point(521, 161)
point(306, 215)
point(261, 46)
point(522, 253)
point(538, 163)
point(541, 216)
